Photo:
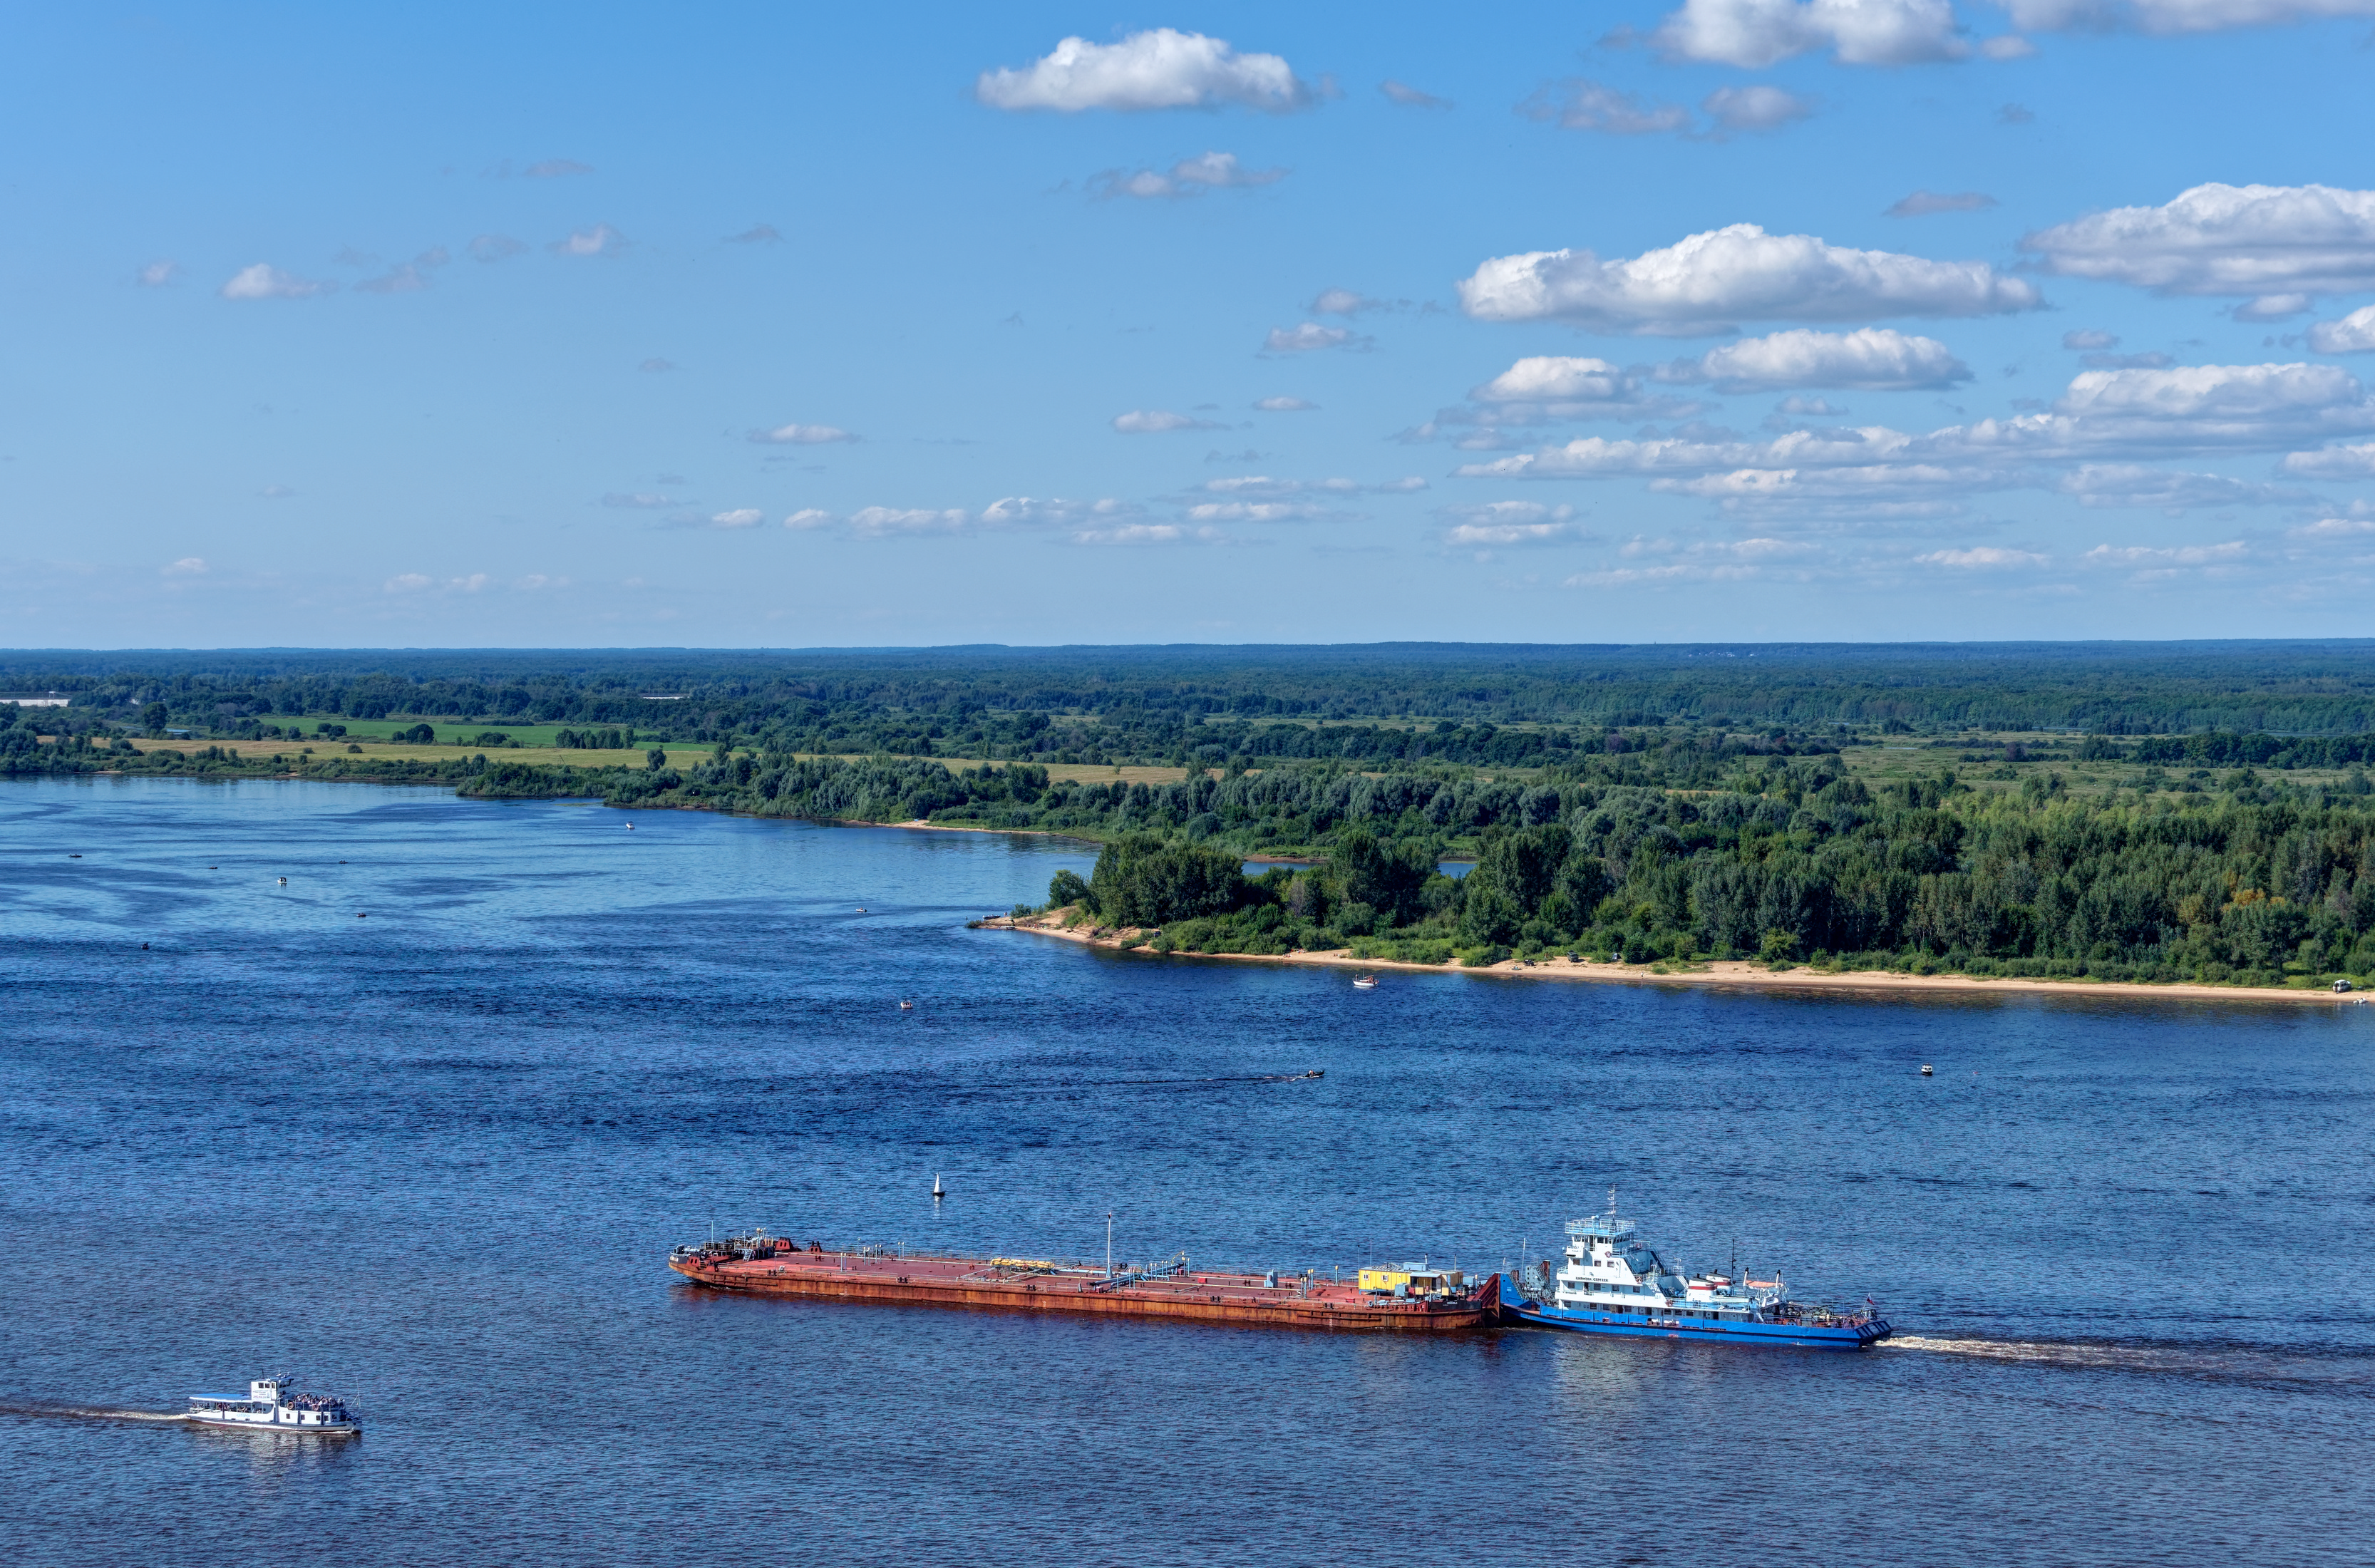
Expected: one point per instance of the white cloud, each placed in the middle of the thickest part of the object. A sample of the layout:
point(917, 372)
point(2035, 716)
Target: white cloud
point(808, 517)
point(599, 240)
point(557, 169)
point(1311, 337)
point(1023, 511)
point(1157, 421)
point(2354, 333)
point(1869, 360)
point(800, 435)
point(1410, 97)
point(1744, 561)
point(1757, 33)
point(188, 566)
point(1283, 405)
point(1584, 105)
point(2132, 484)
point(741, 517)
point(1754, 108)
point(1922, 204)
point(1149, 534)
point(2090, 339)
point(1547, 377)
point(2187, 409)
point(885, 522)
point(2175, 15)
point(2149, 562)
point(157, 273)
point(2271, 241)
point(1188, 177)
point(2332, 463)
point(418, 583)
point(2273, 307)
point(265, 281)
point(1343, 302)
point(1982, 557)
point(2007, 46)
point(1501, 525)
point(493, 247)
point(1268, 512)
point(643, 500)
point(1707, 281)
point(1159, 69)
point(1600, 457)
point(409, 582)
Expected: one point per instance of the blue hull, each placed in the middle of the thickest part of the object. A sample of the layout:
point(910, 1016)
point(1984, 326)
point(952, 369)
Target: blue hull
point(1798, 1336)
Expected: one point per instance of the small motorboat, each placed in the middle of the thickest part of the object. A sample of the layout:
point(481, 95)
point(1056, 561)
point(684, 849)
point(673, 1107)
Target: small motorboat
point(906, 1007)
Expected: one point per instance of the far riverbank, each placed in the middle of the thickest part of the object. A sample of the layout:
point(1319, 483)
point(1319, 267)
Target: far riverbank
point(1738, 975)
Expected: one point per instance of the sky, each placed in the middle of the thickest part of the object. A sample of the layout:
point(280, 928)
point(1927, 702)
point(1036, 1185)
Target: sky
point(793, 325)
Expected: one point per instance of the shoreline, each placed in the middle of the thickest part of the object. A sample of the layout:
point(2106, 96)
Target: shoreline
point(1735, 974)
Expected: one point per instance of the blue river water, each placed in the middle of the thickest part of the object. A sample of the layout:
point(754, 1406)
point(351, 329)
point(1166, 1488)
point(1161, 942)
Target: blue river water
point(422, 1124)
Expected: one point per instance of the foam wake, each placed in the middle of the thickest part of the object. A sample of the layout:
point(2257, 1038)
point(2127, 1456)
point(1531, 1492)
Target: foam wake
point(86, 1412)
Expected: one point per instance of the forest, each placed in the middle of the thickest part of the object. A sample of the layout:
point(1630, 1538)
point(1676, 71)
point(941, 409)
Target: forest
point(2203, 852)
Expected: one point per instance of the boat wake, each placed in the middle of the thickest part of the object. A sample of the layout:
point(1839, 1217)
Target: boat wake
point(86, 1413)
point(2205, 1361)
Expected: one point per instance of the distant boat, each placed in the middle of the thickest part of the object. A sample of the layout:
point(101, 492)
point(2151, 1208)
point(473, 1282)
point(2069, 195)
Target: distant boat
point(905, 1007)
point(270, 1406)
point(1365, 983)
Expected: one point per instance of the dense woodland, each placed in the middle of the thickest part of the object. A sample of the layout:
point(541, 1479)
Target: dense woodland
point(1454, 702)
point(1664, 836)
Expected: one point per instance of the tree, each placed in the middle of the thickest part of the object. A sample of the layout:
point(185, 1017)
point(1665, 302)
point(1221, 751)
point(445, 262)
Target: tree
point(1065, 887)
point(1142, 880)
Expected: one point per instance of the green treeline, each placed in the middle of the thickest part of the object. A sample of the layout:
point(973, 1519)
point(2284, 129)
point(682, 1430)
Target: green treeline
point(2260, 884)
point(1476, 705)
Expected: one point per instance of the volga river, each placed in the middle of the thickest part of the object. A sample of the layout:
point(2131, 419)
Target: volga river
point(433, 1158)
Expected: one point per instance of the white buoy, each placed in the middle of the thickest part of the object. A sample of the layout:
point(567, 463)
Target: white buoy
point(937, 1192)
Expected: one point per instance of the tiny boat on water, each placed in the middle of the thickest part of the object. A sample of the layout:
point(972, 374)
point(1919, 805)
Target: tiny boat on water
point(1365, 983)
point(271, 1406)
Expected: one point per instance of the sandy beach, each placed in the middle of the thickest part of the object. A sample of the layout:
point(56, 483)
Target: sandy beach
point(1736, 975)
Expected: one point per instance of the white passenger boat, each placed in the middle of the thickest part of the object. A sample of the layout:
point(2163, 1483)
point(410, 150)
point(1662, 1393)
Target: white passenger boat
point(270, 1406)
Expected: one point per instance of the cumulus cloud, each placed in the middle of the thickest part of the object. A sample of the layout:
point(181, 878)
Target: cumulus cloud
point(800, 435)
point(1149, 534)
point(641, 501)
point(556, 169)
point(2185, 408)
point(2175, 15)
point(2132, 484)
point(1410, 97)
point(599, 240)
point(421, 582)
point(188, 566)
point(1757, 33)
point(1268, 512)
point(265, 281)
point(1188, 177)
point(2350, 462)
point(157, 273)
point(1755, 108)
point(1922, 204)
point(1158, 422)
point(2149, 563)
point(1311, 337)
point(741, 517)
point(1009, 511)
point(1283, 405)
point(1343, 302)
point(1706, 282)
point(2280, 243)
point(493, 247)
point(1983, 558)
point(2090, 339)
point(2354, 333)
point(1869, 360)
point(1556, 377)
point(1502, 524)
point(1158, 69)
point(757, 234)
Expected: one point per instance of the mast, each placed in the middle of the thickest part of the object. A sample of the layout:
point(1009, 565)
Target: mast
point(1108, 1243)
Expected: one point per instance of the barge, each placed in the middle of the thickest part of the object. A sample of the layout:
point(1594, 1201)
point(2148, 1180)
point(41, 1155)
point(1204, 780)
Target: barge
point(1409, 1299)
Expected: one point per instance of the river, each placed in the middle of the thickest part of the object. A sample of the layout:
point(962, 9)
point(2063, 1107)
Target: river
point(422, 1124)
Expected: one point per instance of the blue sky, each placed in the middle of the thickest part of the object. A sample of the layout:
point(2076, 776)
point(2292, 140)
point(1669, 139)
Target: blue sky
point(794, 325)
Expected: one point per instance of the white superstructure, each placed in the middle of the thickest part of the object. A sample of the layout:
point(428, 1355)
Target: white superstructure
point(1608, 1269)
point(270, 1406)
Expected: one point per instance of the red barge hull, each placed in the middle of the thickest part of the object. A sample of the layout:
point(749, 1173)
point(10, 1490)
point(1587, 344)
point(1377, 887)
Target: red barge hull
point(1203, 1296)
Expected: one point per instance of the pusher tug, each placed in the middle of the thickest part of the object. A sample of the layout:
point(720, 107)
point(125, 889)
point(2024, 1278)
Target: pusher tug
point(270, 1406)
point(1612, 1282)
